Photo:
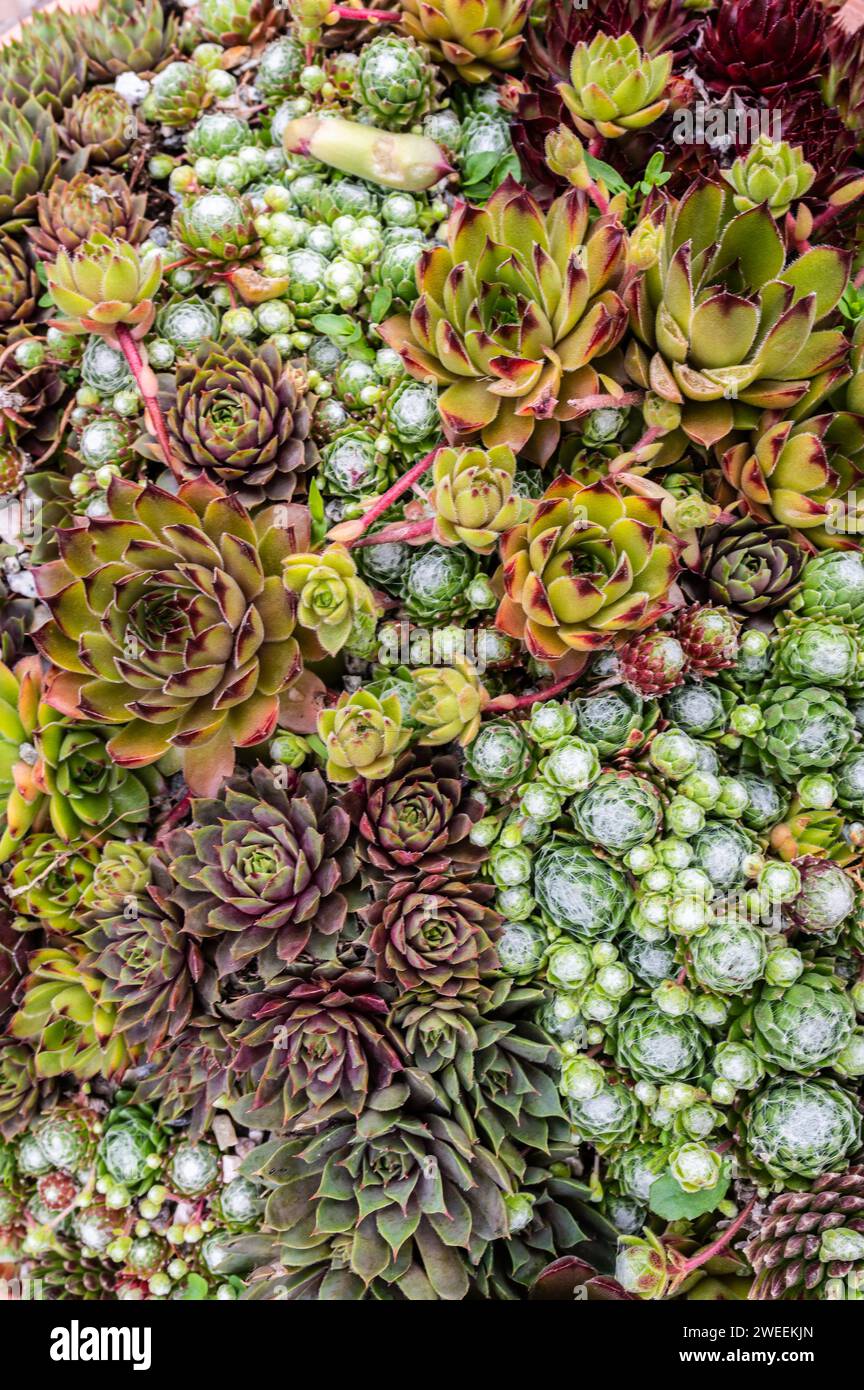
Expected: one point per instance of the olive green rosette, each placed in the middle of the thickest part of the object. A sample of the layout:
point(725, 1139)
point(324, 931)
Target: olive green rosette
point(590, 564)
point(510, 315)
point(363, 736)
point(105, 284)
point(28, 161)
point(614, 87)
point(473, 497)
point(477, 38)
point(47, 881)
point(331, 598)
point(723, 319)
point(65, 1016)
point(400, 1204)
point(170, 618)
point(771, 172)
point(803, 475)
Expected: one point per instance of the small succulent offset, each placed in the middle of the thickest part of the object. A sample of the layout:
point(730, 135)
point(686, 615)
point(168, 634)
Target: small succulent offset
point(431, 670)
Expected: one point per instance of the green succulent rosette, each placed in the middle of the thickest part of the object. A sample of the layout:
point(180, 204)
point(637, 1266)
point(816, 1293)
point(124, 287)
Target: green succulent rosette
point(655, 1046)
point(618, 812)
point(513, 347)
point(614, 87)
point(802, 1028)
point(190, 656)
point(805, 728)
point(799, 1129)
point(771, 172)
point(579, 892)
point(723, 319)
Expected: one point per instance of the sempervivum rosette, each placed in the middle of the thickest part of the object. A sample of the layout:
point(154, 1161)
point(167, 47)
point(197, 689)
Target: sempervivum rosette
point(810, 1242)
point(261, 867)
point(509, 332)
point(238, 416)
point(434, 931)
point(590, 564)
point(724, 317)
point(417, 821)
point(155, 973)
point(314, 1044)
point(170, 618)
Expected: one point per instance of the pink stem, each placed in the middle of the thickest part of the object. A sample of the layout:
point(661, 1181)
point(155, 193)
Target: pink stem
point(146, 383)
point(595, 146)
point(381, 16)
point(399, 531)
point(600, 203)
point(703, 1256)
point(349, 531)
point(584, 404)
point(648, 438)
point(824, 218)
point(508, 702)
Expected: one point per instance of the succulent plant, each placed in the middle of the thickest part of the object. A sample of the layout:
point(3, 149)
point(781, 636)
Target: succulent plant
point(652, 663)
point(476, 42)
point(785, 475)
point(151, 678)
point(809, 1243)
point(542, 323)
point(413, 1257)
point(260, 870)
point(48, 879)
point(64, 1015)
point(363, 736)
point(393, 80)
point(772, 173)
point(803, 1028)
point(239, 417)
point(804, 727)
point(655, 1046)
point(101, 122)
point(578, 891)
point(434, 932)
point(571, 586)
point(28, 161)
point(801, 1129)
point(70, 212)
point(761, 45)
point(216, 229)
point(418, 821)
point(177, 95)
point(614, 87)
point(473, 497)
point(123, 35)
point(618, 812)
point(105, 284)
point(154, 973)
point(732, 270)
point(752, 567)
point(316, 1045)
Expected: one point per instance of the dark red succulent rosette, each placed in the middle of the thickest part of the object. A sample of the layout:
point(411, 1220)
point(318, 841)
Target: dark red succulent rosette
point(261, 866)
point(761, 46)
point(436, 932)
point(417, 821)
point(315, 1045)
